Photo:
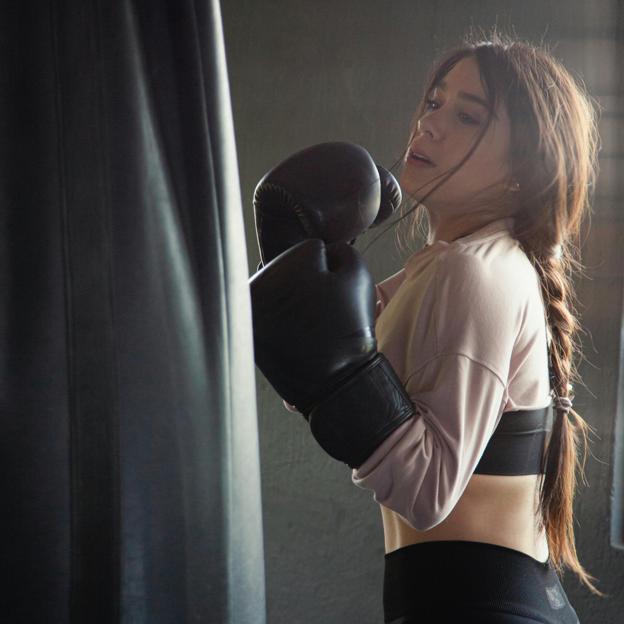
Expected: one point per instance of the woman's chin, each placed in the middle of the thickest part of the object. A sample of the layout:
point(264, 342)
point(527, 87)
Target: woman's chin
point(416, 186)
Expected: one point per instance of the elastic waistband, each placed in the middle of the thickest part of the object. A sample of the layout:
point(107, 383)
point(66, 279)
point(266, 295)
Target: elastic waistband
point(469, 548)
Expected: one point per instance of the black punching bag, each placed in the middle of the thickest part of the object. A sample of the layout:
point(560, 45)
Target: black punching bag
point(129, 458)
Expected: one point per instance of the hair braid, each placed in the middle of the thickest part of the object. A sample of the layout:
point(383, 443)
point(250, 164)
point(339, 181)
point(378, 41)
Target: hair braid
point(561, 461)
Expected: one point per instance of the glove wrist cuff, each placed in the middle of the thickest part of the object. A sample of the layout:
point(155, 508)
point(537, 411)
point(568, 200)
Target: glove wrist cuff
point(351, 422)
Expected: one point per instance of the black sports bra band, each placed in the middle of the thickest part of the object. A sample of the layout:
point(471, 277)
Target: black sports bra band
point(517, 444)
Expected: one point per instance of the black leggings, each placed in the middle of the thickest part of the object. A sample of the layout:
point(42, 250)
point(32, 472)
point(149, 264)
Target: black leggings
point(459, 581)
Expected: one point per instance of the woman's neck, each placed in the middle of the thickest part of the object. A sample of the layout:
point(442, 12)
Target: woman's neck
point(449, 228)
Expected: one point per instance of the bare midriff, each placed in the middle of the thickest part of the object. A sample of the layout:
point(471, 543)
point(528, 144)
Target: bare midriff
point(493, 509)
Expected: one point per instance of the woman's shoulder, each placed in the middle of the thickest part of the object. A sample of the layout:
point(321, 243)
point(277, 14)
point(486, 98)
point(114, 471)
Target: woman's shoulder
point(497, 263)
point(488, 284)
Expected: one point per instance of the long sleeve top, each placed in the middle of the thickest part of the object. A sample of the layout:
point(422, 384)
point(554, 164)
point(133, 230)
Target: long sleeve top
point(463, 325)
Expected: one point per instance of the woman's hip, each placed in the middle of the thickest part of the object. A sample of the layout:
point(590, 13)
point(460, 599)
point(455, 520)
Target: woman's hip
point(471, 581)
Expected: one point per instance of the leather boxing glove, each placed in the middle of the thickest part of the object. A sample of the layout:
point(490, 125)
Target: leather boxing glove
point(332, 191)
point(390, 196)
point(313, 321)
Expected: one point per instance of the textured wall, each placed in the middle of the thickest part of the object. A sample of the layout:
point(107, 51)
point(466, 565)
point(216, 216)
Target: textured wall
point(306, 72)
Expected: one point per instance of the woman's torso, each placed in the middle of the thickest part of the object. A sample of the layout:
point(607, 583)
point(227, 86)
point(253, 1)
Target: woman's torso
point(495, 509)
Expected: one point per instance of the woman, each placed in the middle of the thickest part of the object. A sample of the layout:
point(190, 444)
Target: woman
point(501, 160)
point(450, 431)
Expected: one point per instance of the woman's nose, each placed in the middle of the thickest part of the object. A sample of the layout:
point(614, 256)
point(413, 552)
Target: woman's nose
point(427, 125)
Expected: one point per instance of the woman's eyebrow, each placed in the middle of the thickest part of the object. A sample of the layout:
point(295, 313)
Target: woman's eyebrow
point(467, 96)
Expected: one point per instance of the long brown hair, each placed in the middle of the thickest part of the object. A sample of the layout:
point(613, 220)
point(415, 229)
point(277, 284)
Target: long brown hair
point(554, 143)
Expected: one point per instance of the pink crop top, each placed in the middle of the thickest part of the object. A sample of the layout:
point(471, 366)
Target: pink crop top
point(464, 327)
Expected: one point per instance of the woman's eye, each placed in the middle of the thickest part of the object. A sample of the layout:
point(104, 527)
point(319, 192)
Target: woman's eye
point(467, 119)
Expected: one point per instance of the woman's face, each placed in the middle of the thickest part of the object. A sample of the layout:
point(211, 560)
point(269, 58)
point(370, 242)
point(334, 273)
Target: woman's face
point(455, 113)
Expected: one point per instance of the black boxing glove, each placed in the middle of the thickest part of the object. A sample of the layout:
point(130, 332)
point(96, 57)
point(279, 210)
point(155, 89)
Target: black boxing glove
point(313, 322)
point(332, 191)
point(390, 196)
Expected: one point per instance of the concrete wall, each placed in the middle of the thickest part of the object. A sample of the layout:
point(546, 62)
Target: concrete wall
point(304, 72)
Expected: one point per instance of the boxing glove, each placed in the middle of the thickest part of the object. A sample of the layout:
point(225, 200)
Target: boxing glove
point(332, 191)
point(313, 313)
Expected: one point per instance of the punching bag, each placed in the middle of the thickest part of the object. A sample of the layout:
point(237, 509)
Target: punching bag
point(129, 457)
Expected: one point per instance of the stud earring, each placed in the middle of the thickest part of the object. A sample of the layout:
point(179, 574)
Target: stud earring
point(515, 187)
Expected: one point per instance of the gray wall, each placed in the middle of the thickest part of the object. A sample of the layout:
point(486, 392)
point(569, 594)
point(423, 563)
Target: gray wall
point(306, 72)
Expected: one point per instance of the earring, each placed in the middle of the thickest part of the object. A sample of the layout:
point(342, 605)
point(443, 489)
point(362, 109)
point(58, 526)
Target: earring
point(515, 187)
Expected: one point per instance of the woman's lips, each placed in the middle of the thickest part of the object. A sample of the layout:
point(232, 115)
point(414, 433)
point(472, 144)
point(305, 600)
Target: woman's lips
point(414, 160)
